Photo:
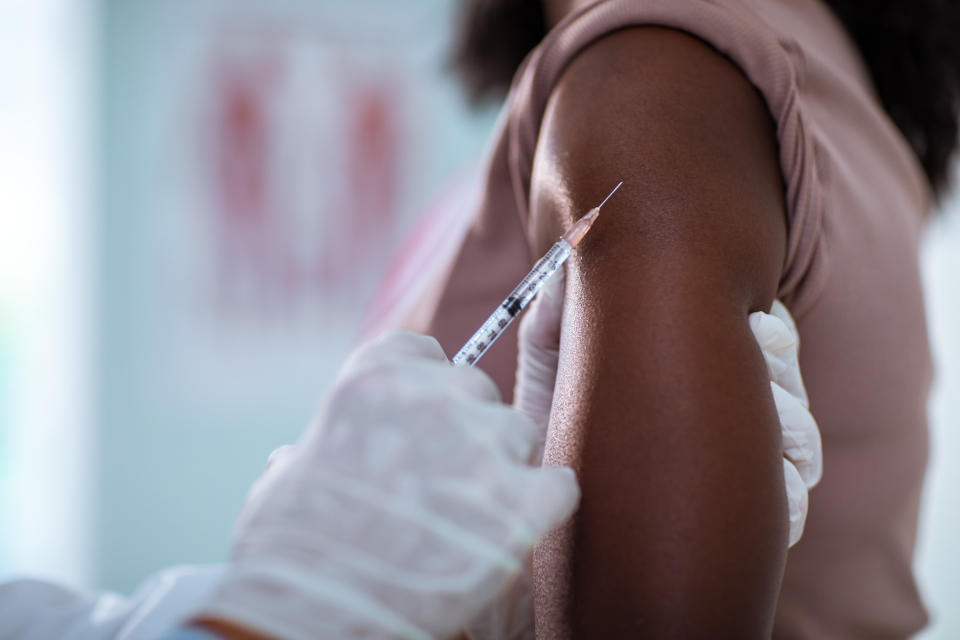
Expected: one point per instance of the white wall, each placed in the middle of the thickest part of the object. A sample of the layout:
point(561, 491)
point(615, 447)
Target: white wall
point(211, 353)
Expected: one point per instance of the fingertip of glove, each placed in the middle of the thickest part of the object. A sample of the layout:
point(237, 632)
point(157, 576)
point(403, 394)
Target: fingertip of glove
point(391, 347)
point(798, 501)
point(409, 343)
point(564, 475)
point(280, 454)
point(795, 534)
point(555, 498)
point(812, 472)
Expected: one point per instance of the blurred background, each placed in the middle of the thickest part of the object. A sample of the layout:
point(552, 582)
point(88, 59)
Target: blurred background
point(204, 204)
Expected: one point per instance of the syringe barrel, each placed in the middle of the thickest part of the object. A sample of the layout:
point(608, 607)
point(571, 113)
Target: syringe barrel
point(518, 299)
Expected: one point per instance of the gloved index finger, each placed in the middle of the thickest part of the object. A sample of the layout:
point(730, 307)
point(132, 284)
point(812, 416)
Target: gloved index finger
point(396, 345)
point(409, 343)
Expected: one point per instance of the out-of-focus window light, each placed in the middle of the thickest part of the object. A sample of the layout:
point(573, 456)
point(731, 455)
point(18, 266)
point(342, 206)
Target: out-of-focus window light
point(46, 276)
point(938, 562)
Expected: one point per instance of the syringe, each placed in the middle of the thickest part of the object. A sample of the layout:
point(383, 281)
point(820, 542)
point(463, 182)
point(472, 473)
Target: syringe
point(524, 292)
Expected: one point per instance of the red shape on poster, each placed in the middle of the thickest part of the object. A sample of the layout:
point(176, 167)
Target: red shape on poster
point(266, 265)
point(252, 265)
point(373, 164)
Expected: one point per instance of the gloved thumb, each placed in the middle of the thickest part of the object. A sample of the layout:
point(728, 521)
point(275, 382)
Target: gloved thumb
point(551, 499)
point(539, 354)
point(540, 328)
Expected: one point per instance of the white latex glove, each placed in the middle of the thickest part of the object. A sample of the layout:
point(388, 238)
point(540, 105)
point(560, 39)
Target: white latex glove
point(401, 513)
point(539, 356)
point(511, 615)
point(777, 336)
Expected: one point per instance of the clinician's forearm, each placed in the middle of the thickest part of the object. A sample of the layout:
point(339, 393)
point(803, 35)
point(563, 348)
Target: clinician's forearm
point(218, 628)
point(196, 633)
point(215, 629)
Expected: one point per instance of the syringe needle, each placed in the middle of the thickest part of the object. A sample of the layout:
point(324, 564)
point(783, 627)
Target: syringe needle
point(575, 234)
point(611, 193)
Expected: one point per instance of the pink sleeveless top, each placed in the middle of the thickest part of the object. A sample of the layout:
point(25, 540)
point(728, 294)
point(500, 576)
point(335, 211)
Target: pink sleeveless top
point(856, 201)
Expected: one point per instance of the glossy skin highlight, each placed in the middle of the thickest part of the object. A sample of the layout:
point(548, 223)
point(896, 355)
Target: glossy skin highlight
point(682, 529)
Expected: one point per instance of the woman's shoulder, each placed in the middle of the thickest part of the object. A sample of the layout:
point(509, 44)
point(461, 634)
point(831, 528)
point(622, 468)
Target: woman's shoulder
point(633, 48)
point(795, 54)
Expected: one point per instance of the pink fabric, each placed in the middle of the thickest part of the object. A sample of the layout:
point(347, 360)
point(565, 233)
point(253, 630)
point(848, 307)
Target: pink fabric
point(856, 200)
point(424, 256)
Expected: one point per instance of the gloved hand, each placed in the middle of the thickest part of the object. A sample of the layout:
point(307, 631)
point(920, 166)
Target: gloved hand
point(777, 336)
point(402, 512)
point(510, 616)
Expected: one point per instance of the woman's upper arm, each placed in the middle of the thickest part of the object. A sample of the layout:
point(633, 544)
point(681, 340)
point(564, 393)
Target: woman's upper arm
point(662, 402)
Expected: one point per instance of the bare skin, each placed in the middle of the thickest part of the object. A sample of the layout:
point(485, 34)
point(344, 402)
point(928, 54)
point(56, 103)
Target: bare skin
point(682, 527)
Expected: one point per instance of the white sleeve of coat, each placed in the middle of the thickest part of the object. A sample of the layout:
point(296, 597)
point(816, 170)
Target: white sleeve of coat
point(36, 610)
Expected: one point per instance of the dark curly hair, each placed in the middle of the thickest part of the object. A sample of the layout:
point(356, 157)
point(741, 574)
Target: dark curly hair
point(912, 50)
